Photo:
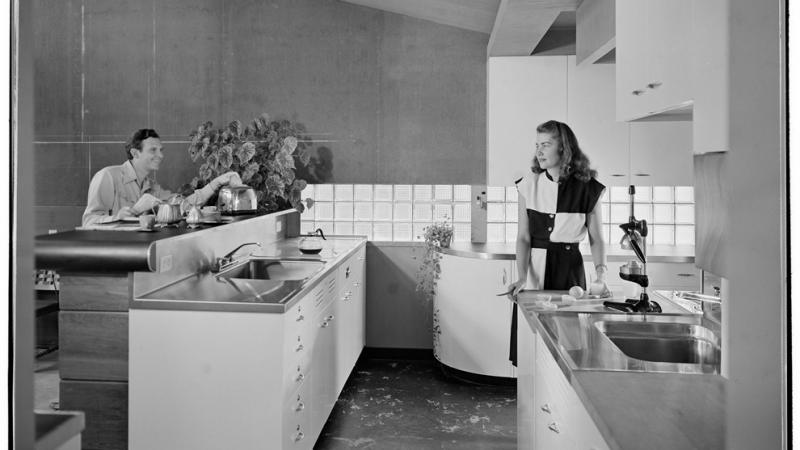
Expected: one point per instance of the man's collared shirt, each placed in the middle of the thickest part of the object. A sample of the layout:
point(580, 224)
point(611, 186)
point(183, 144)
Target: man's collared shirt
point(114, 188)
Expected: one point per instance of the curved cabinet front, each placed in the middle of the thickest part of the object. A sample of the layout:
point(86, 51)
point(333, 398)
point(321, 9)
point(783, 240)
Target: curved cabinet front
point(471, 323)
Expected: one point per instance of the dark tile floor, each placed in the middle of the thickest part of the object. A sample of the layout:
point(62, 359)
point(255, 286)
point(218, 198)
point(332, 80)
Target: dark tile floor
point(392, 404)
point(387, 405)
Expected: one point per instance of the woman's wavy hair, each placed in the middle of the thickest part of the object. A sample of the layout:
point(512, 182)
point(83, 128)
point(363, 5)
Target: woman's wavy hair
point(573, 160)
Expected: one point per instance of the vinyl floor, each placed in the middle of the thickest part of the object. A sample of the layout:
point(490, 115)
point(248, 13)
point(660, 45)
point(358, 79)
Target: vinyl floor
point(389, 404)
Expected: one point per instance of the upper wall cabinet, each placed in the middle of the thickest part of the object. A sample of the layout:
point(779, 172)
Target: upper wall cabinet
point(526, 91)
point(710, 76)
point(522, 93)
point(653, 59)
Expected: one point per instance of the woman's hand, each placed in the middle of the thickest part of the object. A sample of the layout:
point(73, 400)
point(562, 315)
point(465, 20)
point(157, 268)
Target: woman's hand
point(226, 179)
point(515, 288)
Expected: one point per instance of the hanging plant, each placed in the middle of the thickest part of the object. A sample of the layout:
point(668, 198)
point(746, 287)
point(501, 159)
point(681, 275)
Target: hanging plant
point(266, 153)
point(436, 236)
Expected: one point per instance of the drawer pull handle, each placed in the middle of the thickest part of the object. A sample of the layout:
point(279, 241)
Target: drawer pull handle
point(554, 428)
point(329, 318)
point(299, 348)
point(347, 272)
point(654, 84)
point(300, 377)
point(685, 274)
point(637, 91)
point(300, 406)
point(299, 436)
point(546, 408)
point(324, 324)
point(356, 284)
point(300, 318)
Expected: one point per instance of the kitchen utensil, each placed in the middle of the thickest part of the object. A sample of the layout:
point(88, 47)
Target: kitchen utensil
point(147, 221)
point(168, 213)
point(193, 217)
point(235, 200)
point(312, 244)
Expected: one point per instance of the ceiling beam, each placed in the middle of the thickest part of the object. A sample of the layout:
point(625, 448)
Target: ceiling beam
point(474, 15)
point(521, 24)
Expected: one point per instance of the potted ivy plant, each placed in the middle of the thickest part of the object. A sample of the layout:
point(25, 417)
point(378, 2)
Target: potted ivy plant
point(265, 153)
point(436, 236)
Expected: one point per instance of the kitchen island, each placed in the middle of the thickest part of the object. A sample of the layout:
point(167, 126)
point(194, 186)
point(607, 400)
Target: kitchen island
point(576, 390)
point(97, 271)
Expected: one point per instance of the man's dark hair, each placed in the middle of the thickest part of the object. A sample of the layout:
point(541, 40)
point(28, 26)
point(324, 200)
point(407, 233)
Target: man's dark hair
point(136, 139)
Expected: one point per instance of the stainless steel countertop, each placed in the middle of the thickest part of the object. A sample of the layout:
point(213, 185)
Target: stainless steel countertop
point(208, 292)
point(630, 400)
point(614, 253)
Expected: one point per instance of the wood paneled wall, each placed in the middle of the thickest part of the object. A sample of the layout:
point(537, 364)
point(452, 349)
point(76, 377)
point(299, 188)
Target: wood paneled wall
point(392, 99)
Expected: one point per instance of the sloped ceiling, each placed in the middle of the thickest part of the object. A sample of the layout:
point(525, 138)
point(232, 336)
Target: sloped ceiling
point(475, 15)
point(515, 26)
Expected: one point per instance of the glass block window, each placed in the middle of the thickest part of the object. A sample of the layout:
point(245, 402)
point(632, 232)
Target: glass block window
point(385, 212)
point(668, 210)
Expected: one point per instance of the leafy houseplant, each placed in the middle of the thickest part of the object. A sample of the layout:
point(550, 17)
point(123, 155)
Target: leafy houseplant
point(437, 235)
point(264, 153)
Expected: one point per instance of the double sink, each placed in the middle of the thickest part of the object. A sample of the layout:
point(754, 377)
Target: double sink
point(605, 340)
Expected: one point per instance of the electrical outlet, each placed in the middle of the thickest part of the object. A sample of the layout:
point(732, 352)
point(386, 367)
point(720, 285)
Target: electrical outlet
point(278, 226)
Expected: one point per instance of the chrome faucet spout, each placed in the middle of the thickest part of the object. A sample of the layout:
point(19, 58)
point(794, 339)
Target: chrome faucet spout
point(228, 258)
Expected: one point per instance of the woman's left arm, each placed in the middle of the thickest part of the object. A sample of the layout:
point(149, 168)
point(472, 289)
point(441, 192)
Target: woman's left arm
point(596, 242)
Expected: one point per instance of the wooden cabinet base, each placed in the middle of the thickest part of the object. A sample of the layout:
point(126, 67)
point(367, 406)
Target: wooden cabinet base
point(105, 405)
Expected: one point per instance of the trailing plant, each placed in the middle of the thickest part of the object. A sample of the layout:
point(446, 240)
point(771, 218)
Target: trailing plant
point(436, 236)
point(266, 153)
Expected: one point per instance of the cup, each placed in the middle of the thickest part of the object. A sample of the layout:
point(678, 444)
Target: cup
point(147, 221)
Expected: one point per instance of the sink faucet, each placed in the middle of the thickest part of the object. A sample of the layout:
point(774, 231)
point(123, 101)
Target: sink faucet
point(635, 232)
point(226, 260)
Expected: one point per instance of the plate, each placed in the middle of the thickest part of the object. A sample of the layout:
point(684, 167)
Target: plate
point(130, 219)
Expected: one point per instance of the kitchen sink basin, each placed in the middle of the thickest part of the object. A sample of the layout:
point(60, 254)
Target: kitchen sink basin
point(273, 269)
point(663, 342)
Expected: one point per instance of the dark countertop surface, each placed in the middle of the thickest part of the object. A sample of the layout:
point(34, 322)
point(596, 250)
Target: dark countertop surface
point(106, 250)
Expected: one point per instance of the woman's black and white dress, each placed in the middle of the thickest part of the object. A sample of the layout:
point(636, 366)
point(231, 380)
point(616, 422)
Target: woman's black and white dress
point(558, 213)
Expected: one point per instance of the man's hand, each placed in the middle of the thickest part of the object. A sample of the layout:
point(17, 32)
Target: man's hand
point(145, 203)
point(226, 179)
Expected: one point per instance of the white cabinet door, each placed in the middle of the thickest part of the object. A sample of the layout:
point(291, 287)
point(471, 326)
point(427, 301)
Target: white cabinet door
point(661, 154)
point(323, 367)
point(591, 117)
point(351, 313)
point(669, 81)
point(526, 393)
point(472, 322)
point(522, 92)
point(632, 58)
point(652, 57)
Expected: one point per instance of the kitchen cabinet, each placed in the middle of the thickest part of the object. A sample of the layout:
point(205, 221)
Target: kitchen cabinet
point(471, 323)
point(350, 309)
point(522, 92)
point(550, 413)
point(591, 117)
point(246, 380)
point(661, 154)
point(711, 76)
point(641, 153)
point(653, 58)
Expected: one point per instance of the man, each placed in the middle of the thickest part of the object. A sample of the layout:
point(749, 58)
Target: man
point(130, 189)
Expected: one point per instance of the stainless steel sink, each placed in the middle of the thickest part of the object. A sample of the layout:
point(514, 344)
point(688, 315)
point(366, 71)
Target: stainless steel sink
point(677, 343)
point(273, 269)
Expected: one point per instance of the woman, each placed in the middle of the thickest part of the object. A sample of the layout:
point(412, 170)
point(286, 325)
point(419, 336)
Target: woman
point(559, 203)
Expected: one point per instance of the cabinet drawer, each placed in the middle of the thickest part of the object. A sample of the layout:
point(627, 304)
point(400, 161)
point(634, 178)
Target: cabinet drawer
point(297, 418)
point(296, 374)
point(674, 275)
